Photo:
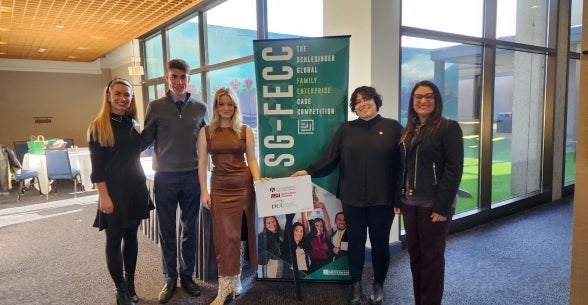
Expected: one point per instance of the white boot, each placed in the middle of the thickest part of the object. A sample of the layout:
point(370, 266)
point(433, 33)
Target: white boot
point(237, 287)
point(225, 288)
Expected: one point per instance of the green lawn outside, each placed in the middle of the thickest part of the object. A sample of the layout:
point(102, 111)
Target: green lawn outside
point(570, 166)
point(501, 172)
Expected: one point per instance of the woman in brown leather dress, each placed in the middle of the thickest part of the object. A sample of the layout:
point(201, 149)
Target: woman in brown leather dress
point(231, 147)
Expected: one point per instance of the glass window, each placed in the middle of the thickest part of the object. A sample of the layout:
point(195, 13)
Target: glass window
point(522, 21)
point(573, 92)
point(184, 38)
point(453, 16)
point(294, 18)
point(519, 90)
point(151, 93)
point(154, 57)
point(241, 79)
point(156, 91)
point(456, 70)
point(231, 28)
point(160, 90)
point(195, 86)
point(572, 121)
point(576, 26)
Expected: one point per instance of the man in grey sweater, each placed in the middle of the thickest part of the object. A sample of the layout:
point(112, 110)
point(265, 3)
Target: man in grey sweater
point(172, 124)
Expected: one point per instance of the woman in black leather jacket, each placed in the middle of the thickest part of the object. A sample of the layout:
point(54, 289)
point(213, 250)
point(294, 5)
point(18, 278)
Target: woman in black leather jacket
point(431, 149)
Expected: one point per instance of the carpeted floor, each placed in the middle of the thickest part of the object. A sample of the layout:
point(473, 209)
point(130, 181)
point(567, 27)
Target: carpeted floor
point(50, 254)
point(61, 189)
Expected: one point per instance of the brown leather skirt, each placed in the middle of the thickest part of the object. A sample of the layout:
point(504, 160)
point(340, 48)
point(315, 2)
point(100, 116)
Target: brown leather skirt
point(232, 195)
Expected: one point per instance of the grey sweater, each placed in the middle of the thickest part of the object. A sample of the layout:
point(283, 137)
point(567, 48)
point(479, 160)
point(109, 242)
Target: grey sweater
point(173, 135)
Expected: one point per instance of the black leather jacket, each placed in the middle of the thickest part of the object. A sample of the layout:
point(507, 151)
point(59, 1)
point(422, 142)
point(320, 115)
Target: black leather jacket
point(431, 168)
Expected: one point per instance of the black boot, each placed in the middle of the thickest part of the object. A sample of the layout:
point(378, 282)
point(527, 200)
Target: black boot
point(130, 281)
point(356, 297)
point(122, 295)
point(377, 294)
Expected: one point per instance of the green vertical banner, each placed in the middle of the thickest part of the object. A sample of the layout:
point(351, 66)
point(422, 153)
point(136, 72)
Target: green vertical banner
point(302, 87)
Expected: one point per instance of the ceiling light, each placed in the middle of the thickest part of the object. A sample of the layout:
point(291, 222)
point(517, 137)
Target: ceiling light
point(41, 50)
point(3, 42)
point(98, 37)
point(59, 26)
point(119, 21)
point(135, 69)
point(5, 9)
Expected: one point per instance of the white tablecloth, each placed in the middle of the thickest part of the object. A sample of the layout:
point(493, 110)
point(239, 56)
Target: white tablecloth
point(79, 159)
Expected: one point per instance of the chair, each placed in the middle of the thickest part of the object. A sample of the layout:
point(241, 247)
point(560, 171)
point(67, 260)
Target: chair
point(21, 178)
point(21, 148)
point(14, 171)
point(69, 143)
point(58, 167)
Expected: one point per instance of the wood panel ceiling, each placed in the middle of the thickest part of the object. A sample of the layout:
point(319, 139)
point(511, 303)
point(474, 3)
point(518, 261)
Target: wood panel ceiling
point(78, 30)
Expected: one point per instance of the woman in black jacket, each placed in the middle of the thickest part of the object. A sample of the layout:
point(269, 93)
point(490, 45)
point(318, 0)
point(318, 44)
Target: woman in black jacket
point(431, 149)
point(270, 249)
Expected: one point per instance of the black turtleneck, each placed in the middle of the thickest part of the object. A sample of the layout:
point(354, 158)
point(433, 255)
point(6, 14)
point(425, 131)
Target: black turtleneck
point(119, 118)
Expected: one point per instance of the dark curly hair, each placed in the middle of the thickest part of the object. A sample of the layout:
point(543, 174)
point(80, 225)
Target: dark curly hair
point(367, 93)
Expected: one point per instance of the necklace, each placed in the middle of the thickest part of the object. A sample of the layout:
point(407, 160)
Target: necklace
point(116, 117)
point(180, 109)
point(418, 128)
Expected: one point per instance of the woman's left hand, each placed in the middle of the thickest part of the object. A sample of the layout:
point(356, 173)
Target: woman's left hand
point(437, 217)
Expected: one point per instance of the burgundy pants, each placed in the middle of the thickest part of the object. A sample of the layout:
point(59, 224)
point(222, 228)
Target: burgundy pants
point(426, 247)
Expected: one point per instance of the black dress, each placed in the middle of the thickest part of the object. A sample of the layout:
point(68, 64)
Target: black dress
point(120, 167)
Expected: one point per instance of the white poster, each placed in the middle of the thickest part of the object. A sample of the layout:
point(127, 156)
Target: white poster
point(281, 196)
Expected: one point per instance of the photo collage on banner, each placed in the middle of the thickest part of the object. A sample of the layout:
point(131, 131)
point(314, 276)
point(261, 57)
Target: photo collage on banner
point(302, 99)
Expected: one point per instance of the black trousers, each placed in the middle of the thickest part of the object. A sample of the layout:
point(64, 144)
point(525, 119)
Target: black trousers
point(378, 219)
point(425, 241)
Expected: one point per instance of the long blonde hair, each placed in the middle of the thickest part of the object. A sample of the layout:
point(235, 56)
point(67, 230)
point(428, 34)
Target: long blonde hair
point(235, 119)
point(100, 128)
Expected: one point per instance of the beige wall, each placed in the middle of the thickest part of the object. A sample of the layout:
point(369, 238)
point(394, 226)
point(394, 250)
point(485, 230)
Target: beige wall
point(579, 276)
point(71, 99)
point(69, 92)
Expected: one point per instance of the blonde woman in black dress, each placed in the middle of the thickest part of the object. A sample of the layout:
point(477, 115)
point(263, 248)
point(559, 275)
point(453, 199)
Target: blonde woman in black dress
point(115, 147)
